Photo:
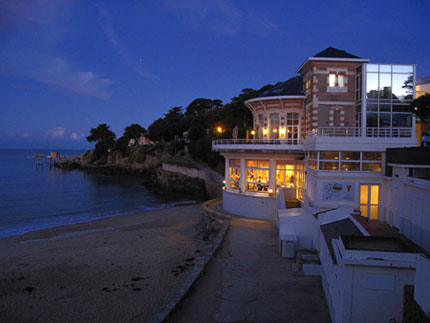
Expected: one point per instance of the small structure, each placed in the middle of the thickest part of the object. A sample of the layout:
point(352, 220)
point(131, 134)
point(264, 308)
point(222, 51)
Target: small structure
point(38, 159)
point(235, 133)
point(53, 157)
point(144, 140)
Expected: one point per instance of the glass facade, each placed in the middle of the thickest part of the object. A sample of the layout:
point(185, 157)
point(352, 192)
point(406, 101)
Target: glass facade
point(234, 173)
point(389, 91)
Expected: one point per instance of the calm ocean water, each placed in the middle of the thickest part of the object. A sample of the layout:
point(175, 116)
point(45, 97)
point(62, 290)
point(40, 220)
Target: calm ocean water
point(33, 198)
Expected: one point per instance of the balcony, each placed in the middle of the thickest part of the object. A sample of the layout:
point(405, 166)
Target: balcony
point(353, 138)
point(257, 145)
point(357, 132)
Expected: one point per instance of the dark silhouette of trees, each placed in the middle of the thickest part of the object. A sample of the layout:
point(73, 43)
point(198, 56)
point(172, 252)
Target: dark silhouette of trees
point(104, 137)
point(421, 107)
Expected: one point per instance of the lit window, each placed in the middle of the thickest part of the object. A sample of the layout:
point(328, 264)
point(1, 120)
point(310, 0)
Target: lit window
point(340, 80)
point(332, 80)
point(234, 174)
point(308, 84)
point(336, 80)
point(257, 175)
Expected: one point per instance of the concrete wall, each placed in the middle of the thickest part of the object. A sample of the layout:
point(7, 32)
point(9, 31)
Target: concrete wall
point(378, 293)
point(251, 206)
point(298, 221)
point(407, 206)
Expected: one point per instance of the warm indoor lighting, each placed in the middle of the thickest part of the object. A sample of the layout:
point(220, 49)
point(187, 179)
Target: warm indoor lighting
point(282, 131)
point(219, 129)
point(265, 131)
point(416, 108)
point(223, 181)
point(270, 190)
point(252, 132)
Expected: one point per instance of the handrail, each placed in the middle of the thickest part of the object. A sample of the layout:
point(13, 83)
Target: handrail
point(257, 142)
point(357, 132)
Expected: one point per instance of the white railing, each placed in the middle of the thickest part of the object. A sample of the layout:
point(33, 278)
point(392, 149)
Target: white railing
point(257, 142)
point(357, 132)
point(336, 132)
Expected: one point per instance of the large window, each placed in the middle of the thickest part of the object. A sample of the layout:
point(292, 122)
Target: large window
point(285, 173)
point(347, 161)
point(389, 92)
point(257, 175)
point(369, 200)
point(234, 173)
point(274, 125)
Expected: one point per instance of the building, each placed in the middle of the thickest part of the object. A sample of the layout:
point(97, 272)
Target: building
point(320, 143)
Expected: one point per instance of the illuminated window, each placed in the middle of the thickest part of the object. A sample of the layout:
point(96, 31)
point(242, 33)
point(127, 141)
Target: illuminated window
point(336, 80)
point(308, 84)
point(332, 80)
point(257, 175)
point(369, 200)
point(285, 175)
point(234, 173)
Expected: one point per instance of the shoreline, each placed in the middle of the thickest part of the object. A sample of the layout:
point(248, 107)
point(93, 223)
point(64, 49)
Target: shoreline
point(112, 269)
point(48, 226)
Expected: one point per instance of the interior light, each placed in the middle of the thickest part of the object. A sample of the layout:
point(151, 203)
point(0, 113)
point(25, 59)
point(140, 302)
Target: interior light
point(252, 132)
point(219, 129)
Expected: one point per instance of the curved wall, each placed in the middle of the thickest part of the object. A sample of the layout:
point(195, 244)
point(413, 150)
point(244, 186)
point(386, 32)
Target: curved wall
point(250, 206)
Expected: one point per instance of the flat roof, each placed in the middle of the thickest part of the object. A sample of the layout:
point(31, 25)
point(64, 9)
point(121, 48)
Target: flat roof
point(372, 243)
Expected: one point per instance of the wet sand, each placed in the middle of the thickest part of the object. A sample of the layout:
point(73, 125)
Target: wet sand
point(117, 269)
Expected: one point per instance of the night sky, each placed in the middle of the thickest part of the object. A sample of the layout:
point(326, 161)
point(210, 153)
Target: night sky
point(66, 66)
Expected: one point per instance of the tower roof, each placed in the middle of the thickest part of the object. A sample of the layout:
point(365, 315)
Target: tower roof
point(335, 53)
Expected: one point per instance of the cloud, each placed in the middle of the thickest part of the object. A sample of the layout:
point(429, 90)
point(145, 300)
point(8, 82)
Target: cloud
point(75, 136)
point(134, 63)
point(223, 16)
point(14, 13)
point(37, 29)
point(57, 132)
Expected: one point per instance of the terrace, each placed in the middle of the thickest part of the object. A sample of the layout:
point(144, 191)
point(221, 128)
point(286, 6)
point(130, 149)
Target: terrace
point(389, 136)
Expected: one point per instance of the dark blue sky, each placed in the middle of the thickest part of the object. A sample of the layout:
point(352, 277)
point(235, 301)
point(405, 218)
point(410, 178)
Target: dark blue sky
point(66, 66)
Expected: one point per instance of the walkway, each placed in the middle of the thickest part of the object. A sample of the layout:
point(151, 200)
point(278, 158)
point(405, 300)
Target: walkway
point(247, 281)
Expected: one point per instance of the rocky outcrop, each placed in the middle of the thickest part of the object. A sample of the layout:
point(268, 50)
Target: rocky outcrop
point(198, 184)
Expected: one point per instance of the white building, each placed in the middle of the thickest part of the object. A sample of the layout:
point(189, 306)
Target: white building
point(320, 142)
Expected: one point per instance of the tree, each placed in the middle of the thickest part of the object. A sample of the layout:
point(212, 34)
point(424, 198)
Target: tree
point(104, 137)
point(421, 107)
point(134, 131)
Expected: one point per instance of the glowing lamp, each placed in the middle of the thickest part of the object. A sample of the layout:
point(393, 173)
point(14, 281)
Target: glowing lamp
point(223, 181)
point(265, 131)
point(270, 190)
point(219, 129)
point(275, 130)
point(282, 131)
point(252, 132)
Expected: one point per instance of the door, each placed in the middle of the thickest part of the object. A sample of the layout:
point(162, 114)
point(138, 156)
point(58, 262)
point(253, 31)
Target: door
point(369, 201)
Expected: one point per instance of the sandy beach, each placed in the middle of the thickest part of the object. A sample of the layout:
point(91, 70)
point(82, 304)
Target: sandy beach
point(117, 269)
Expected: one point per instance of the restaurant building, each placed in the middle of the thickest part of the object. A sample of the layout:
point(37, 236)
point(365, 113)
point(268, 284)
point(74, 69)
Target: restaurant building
point(321, 137)
point(333, 160)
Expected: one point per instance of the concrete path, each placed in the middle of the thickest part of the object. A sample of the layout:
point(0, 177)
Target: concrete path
point(247, 281)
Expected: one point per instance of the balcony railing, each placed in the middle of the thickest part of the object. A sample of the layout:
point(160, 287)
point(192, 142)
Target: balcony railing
point(357, 132)
point(257, 142)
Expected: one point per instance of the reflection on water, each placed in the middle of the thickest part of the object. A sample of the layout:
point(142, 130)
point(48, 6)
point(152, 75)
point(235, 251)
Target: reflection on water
point(38, 197)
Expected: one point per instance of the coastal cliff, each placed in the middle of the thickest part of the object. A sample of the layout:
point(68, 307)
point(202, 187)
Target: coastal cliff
point(158, 168)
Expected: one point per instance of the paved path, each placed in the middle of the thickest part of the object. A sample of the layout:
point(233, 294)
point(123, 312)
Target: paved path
point(247, 281)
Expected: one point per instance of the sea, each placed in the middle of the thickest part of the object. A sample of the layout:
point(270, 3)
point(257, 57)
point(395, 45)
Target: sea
point(37, 197)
